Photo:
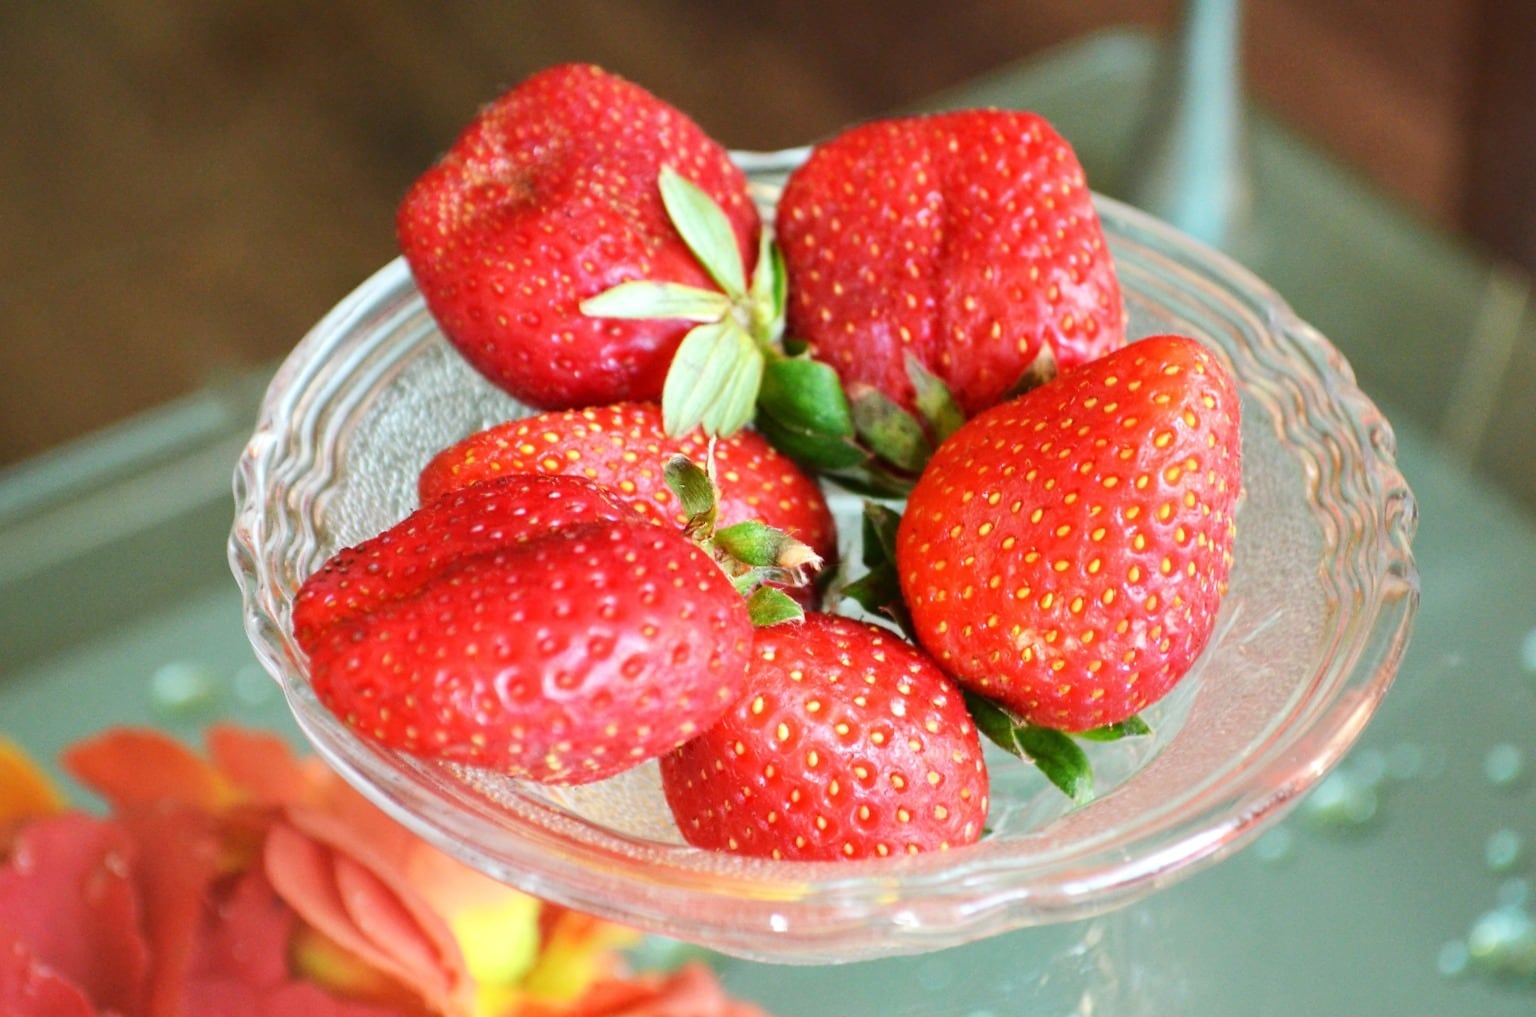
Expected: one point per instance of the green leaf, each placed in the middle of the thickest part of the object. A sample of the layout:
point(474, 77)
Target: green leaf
point(818, 451)
point(993, 721)
point(1130, 727)
point(694, 488)
point(878, 590)
point(738, 398)
point(713, 380)
point(935, 402)
point(645, 299)
point(880, 523)
point(890, 431)
point(770, 291)
point(769, 605)
point(806, 395)
point(706, 230)
point(872, 480)
point(1060, 759)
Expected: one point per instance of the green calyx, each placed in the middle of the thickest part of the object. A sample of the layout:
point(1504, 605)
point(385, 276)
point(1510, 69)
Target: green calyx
point(1056, 754)
point(761, 560)
point(715, 375)
point(736, 363)
point(878, 589)
point(861, 437)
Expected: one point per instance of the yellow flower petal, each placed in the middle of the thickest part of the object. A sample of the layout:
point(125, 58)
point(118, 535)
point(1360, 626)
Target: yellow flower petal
point(25, 791)
point(500, 941)
point(578, 951)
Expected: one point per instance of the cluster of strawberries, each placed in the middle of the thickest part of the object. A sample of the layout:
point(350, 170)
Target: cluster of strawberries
point(933, 320)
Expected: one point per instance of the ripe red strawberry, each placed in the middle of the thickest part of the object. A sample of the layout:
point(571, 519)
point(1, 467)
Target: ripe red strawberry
point(392, 565)
point(848, 742)
point(1065, 553)
point(563, 652)
point(550, 196)
point(625, 447)
point(967, 240)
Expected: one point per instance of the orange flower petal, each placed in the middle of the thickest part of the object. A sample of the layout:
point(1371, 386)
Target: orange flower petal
point(691, 991)
point(262, 765)
point(136, 766)
point(380, 915)
point(449, 885)
point(332, 888)
point(355, 822)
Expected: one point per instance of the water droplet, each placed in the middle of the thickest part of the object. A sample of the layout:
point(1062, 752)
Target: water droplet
point(1503, 942)
point(1503, 850)
point(1368, 766)
point(1528, 651)
point(182, 687)
point(1275, 846)
point(1341, 802)
point(1454, 959)
point(1504, 764)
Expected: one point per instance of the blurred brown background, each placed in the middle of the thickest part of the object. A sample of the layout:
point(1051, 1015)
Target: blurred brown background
point(186, 186)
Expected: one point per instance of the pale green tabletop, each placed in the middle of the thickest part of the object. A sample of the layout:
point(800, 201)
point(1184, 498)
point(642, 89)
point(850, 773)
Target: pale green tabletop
point(1402, 886)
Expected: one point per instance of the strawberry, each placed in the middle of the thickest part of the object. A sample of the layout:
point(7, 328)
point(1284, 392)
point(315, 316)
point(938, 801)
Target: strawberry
point(1064, 554)
point(357, 580)
point(553, 636)
point(960, 245)
point(848, 742)
point(624, 447)
point(550, 196)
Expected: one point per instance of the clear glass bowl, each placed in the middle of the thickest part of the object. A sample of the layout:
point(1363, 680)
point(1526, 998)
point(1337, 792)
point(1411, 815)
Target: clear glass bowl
point(1321, 601)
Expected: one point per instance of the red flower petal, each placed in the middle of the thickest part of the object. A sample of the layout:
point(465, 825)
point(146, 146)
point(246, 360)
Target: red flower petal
point(178, 859)
point(65, 894)
point(28, 988)
point(241, 968)
point(245, 936)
